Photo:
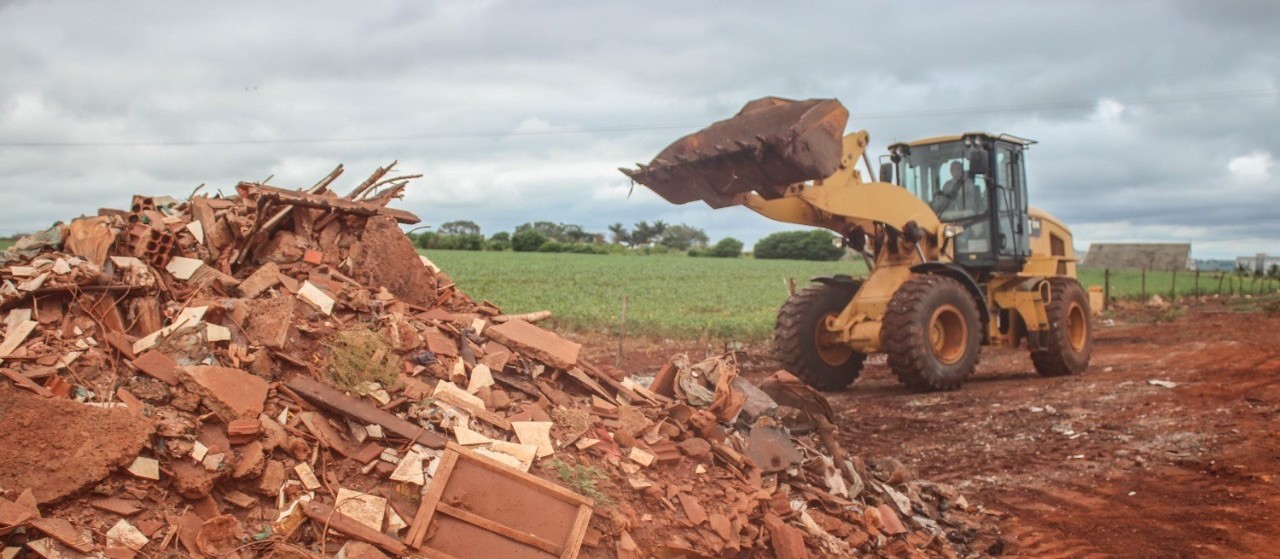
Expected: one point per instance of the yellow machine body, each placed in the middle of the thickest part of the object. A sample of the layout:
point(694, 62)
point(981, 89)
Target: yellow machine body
point(844, 201)
point(790, 161)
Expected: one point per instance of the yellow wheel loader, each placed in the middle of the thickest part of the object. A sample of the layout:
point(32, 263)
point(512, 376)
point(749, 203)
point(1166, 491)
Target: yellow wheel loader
point(956, 257)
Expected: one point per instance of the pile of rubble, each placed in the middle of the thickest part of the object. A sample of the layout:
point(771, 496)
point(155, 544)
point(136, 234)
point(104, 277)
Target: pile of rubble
point(280, 374)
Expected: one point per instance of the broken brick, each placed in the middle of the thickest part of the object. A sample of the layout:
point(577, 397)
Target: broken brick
point(230, 393)
point(192, 481)
point(274, 475)
point(540, 344)
point(157, 365)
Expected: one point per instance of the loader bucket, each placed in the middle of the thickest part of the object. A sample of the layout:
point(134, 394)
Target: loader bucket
point(770, 144)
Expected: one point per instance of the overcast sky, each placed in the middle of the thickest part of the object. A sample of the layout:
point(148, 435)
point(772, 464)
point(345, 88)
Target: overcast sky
point(1157, 120)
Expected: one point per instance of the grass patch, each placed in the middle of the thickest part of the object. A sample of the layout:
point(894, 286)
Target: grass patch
point(582, 479)
point(358, 355)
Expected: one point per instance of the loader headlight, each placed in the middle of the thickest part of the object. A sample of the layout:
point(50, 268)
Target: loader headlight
point(952, 231)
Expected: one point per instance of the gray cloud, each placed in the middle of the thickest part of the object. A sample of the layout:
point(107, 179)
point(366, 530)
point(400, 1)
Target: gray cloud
point(1098, 83)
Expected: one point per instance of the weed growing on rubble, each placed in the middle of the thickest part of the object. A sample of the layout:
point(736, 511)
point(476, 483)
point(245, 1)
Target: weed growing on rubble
point(358, 355)
point(582, 479)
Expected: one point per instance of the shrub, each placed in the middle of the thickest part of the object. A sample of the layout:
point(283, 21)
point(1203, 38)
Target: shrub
point(498, 242)
point(799, 245)
point(727, 247)
point(552, 246)
point(528, 240)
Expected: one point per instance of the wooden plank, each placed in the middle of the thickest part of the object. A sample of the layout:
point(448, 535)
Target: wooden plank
point(455, 457)
point(478, 412)
point(331, 399)
point(324, 515)
point(427, 509)
point(536, 482)
point(500, 529)
point(579, 533)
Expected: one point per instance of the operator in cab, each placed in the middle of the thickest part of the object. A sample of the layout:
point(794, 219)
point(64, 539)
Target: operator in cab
point(958, 195)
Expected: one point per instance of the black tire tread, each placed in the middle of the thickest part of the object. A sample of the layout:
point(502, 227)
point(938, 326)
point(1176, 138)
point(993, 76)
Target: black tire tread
point(791, 331)
point(905, 340)
point(1055, 361)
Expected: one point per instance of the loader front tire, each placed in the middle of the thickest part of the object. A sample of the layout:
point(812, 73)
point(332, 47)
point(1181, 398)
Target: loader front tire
point(802, 344)
point(1070, 331)
point(931, 333)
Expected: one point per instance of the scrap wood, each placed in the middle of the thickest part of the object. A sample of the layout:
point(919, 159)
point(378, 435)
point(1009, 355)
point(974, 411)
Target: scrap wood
point(458, 459)
point(263, 228)
point(527, 317)
point(298, 198)
point(330, 519)
point(632, 395)
point(332, 400)
point(475, 411)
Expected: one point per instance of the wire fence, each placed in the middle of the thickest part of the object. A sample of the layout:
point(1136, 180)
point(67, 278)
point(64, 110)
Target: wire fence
point(1142, 284)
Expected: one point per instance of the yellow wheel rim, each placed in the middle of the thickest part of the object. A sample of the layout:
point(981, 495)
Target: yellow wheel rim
point(830, 350)
point(1077, 327)
point(948, 334)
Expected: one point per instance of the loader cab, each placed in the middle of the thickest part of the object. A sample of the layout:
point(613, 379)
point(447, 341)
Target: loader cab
point(976, 183)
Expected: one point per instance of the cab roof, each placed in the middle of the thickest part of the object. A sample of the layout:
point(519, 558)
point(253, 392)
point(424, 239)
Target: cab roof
point(957, 137)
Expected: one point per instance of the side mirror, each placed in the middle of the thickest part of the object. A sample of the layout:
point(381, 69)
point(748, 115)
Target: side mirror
point(978, 162)
point(886, 172)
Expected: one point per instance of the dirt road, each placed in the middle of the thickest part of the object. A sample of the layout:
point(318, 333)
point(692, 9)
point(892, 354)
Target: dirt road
point(1105, 464)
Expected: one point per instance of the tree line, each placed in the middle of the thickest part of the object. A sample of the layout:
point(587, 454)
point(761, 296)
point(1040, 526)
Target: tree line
point(642, 237)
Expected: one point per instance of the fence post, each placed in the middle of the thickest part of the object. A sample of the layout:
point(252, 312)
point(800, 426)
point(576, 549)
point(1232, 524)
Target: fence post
point(1106, 289)
point(1220, 276)
point(1195, 289)
point(1143, 296)
point(1173, 287)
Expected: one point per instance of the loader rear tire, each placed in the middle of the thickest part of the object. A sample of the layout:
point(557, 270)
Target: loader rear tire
point(1070, 331)
point(931, 333)
point(800, 342)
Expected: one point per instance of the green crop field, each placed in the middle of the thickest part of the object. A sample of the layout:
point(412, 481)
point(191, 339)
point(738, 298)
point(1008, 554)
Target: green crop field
point(679, 296)
point(674, 295)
